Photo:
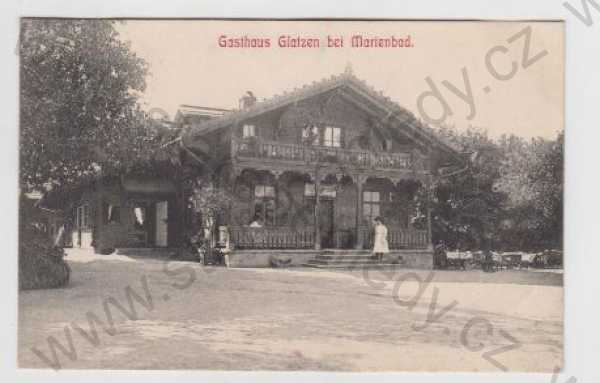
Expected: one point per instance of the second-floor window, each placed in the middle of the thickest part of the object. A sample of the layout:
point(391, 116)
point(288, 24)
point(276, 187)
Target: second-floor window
point(332, 136)
point(248, 131)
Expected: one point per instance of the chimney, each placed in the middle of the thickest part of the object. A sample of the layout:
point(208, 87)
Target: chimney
point(247, 100)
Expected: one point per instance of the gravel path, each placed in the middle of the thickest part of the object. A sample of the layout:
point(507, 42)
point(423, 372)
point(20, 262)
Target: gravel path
point(291, 319)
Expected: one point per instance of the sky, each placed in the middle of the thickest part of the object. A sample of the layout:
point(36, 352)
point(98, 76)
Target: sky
point(187, 66)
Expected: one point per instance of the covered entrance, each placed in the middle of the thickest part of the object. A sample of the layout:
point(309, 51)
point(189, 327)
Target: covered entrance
point(161, 223)
point(150, 223)
point(82, 236)
point(137, 213)
point(326, 224)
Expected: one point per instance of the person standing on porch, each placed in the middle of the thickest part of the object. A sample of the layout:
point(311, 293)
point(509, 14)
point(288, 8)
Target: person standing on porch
point(380, 242)
point(256, 222)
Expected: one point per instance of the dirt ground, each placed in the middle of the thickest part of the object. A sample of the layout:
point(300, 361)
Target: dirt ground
point(193, 317)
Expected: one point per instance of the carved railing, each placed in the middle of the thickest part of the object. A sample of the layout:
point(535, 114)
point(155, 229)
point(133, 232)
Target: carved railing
point(285, 237)
point(245, 237)
point(256, 148)
point(398, 238)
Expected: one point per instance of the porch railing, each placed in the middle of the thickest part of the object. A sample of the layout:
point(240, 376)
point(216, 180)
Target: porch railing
point(398, 238)
point(256, 148)
point(244, 237)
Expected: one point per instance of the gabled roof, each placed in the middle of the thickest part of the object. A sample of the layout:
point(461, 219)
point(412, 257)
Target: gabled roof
point(346, 79)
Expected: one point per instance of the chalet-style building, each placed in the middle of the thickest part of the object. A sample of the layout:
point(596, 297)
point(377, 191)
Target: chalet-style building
point(313, 167)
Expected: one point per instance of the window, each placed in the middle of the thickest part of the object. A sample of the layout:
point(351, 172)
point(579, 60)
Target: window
point(264, 203)
point(370, 205)
point(111, 213)
point(249, 131)
point(310, 135)
point(387, 145)
point(332, 137)
point(114, 213)
point(82, 217)
point(262, 191)
point(139, 214)
point(324, 190)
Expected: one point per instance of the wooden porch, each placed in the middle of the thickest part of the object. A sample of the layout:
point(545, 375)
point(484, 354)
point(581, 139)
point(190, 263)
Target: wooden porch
point(243, 237)
point(322, 197)
point(324, 205)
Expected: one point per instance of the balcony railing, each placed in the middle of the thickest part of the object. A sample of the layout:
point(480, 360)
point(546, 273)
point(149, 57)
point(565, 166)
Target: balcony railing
point(256, 148)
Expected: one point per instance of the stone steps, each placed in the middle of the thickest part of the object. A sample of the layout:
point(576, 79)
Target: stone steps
point(343, 260)
point(351, 259)
point(357, 266)
point(344, 257)
point(345, 252)
point(145, 251)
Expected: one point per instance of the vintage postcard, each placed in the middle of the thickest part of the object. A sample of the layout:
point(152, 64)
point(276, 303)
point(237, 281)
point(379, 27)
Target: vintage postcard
point(315, 195)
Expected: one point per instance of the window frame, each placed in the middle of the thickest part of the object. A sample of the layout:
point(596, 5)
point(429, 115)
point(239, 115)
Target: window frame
point(247, 129)
point(263, 200)
point(82, 217)
point(111, 213)
point(370, 204)
point(331, 141)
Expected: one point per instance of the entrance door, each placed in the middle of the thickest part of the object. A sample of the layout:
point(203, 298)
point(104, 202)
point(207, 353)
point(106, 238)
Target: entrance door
point(326, 222)
point(161, 223)
point(82, 236)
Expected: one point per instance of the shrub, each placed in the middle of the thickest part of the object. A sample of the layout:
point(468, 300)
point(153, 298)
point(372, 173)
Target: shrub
point(41, 265)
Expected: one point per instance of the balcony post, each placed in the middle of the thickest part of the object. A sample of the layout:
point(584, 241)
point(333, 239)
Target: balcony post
point(429, 196)
point(359, 240)
point(317, 208)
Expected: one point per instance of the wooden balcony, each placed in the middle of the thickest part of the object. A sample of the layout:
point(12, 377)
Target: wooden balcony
point(311, 154)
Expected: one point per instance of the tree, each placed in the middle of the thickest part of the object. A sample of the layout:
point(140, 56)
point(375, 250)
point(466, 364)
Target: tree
point(532, 178)
point(547, 176)
point(510, 197)
point(79, 110)
point(466, 207)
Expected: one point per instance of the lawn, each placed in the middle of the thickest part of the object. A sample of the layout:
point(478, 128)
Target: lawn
point(186, 316)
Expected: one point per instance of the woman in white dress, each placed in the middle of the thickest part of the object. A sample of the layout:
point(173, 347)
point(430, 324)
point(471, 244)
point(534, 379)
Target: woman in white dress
point(380, 242)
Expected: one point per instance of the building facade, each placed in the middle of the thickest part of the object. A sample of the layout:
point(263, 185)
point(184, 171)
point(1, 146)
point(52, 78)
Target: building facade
point(306, 171)
point(311, 169)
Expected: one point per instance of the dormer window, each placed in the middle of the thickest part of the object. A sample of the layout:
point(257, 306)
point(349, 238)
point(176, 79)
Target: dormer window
point(332, 137)
point(249, 131)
